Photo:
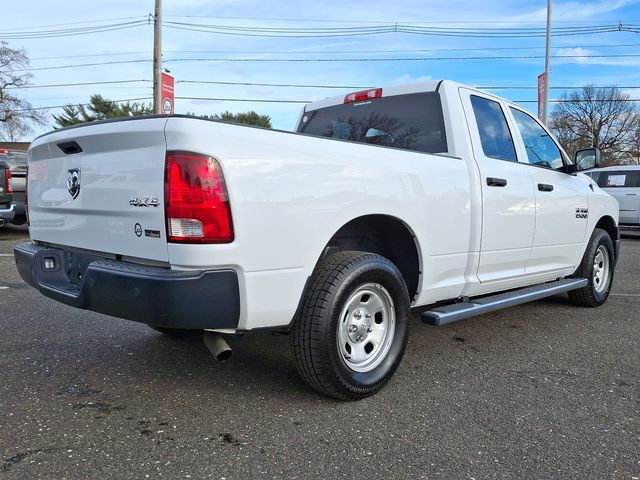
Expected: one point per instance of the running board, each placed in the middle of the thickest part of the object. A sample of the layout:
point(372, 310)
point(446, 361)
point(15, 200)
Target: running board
point(477, 306)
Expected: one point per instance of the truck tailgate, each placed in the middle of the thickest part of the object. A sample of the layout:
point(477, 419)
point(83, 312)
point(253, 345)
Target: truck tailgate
point(101, 187)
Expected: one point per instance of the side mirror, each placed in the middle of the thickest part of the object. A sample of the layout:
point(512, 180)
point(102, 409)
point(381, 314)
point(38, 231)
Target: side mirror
point(587, 159)
point(374, 135)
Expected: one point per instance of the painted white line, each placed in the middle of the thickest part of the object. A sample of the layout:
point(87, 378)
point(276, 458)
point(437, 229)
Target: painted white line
point(626, 294)
point(4, 288)
point(6, 254)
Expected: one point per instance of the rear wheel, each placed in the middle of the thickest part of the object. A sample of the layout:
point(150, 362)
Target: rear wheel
point(351, 331)
point(19, 220)
point(597, 267)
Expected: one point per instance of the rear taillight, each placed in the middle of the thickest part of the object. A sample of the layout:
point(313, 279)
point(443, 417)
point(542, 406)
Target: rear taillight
point(363, 95)
point(196, 202)
point(7, 180)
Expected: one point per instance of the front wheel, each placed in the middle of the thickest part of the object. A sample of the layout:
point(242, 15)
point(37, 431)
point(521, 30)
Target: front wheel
point(597, 267)
point(351, 331)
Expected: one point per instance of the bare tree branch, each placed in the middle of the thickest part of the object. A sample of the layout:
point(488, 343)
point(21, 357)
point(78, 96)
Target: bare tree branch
point(14, 110)
point(604, 118)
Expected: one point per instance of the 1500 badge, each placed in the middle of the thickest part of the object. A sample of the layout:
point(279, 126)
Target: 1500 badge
point(144, 202)
point(582, 213)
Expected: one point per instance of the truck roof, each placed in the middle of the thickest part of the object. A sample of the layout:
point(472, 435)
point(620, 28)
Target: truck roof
point(419, 87)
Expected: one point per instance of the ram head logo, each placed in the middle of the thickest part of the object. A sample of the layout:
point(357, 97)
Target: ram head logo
point(73, 182)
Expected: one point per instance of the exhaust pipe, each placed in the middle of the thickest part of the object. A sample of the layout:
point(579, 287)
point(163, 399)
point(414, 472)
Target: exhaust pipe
point(217, 345)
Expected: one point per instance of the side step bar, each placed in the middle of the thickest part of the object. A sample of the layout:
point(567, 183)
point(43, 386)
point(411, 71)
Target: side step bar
point(477, 306)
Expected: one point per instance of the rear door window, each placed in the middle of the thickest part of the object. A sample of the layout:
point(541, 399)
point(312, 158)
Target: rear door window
point(619, 178)
point(413, 122)
point(495, 136)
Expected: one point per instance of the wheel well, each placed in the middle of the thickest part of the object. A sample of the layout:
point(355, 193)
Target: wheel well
point(607, 223)
point(384, 235)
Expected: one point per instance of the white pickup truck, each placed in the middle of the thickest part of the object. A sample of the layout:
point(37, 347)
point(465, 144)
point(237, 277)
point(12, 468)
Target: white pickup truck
point(432, 195)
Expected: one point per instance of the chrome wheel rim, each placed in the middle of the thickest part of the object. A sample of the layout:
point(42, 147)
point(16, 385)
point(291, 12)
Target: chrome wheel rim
point(601, 267)
point(366, 328)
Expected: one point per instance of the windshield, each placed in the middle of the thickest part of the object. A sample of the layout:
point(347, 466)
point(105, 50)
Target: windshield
point(412, 122)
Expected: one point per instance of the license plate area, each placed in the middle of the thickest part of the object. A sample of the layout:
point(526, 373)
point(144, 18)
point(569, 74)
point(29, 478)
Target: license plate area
point(62, 270)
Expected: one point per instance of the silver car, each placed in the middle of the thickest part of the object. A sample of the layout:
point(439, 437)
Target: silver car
point(623, 184)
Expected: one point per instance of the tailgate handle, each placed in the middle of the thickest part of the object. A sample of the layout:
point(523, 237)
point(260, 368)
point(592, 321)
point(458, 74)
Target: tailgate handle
point(70, 147)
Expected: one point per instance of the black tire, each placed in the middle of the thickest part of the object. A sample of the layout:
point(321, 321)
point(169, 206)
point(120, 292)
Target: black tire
point(19, 220)
point(174, 332)
point(597, 290)
point(335, 281)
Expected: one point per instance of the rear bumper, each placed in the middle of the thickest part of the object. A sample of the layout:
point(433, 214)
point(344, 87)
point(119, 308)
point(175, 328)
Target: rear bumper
point(153, 295)
point(7, 214)
point(18, 199)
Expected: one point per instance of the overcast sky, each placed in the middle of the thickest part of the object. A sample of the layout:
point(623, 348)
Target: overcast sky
point(599, 58)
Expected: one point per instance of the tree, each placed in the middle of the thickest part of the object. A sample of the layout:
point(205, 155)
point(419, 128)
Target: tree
point(604, 118)
point(247, 118)
point(100, 108)
point(14, 130)
point(15, 113)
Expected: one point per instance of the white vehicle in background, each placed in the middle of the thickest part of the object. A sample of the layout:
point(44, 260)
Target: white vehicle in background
point(432, 195)
point(623, 184)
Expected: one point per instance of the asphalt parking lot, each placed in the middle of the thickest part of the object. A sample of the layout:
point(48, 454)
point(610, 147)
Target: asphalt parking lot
point(546, 390)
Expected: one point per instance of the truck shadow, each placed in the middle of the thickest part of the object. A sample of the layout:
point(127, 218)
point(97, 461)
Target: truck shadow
point(261, 364)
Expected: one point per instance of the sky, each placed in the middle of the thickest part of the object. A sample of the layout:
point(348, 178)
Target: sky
point(359, 44)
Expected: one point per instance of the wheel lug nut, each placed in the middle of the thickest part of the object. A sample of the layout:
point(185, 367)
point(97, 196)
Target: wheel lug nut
point(352, 328)
point(369, 329)
point(367, 315)
point(357, 314)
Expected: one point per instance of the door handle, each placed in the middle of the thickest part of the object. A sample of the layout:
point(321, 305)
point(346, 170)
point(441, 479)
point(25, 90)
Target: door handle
point(632, 194)
point(496, 182)
point(545, 187)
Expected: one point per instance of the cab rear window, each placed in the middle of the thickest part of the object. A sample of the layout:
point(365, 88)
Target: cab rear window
point(411, 122)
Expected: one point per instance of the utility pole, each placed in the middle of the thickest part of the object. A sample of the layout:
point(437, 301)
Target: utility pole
point(157, 59)
point(547, 61)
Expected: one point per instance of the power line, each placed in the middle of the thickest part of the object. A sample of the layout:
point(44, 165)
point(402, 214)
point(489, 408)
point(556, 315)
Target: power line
point(78, 65)
point(298, 85)
point(334, 60)
point(266, 100)
point(417, 50)
point(254, 84)
point(403, 59)
point(456, 21)
point(381, 28)
point(373, 28)
point(336, 52)
point(80, 104)
point(53, 85)
point(106, 54)
point(72, 23)
point(254, 100)
point(70, 31)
